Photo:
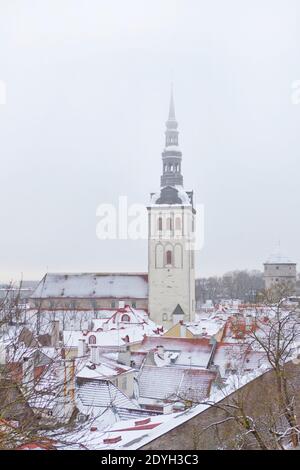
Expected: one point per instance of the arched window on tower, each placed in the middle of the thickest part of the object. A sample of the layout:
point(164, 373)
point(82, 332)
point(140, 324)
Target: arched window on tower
point(169, 257)
point(178, 223)
point(159, 224)
point(169, 223)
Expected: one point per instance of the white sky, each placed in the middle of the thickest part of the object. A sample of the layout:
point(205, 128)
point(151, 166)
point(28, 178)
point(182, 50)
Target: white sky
point(87, 86)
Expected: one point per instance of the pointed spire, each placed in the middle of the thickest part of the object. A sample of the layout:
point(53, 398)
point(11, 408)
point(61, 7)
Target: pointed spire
point(171, 155)
point(172, 106)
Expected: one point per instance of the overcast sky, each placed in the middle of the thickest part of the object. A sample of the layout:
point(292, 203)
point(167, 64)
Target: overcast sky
point(87, 92)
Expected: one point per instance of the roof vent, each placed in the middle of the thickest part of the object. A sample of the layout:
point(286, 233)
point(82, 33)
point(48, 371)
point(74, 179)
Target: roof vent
point(141, 422)
point(112, 440)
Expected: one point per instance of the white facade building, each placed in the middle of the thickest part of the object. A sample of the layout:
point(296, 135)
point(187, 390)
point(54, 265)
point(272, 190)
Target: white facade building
point(171, 218)
point(279, 269)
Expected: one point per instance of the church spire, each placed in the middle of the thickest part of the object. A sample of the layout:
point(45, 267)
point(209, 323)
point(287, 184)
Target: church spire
point(172, 107)
point(171, 155)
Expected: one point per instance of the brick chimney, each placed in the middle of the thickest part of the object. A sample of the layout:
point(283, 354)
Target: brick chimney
point(55, 334)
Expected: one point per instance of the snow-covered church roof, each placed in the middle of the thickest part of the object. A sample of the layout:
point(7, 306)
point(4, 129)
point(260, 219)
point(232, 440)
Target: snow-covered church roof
point(170, 195)
point(93, 285)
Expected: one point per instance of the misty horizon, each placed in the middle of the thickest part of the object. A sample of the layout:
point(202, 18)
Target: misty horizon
point(87, 96)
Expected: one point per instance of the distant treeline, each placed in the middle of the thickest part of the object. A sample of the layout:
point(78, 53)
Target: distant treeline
point(243, 285)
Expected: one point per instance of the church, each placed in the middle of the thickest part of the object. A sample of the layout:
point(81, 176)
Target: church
point(167, 291)
point(171, 229)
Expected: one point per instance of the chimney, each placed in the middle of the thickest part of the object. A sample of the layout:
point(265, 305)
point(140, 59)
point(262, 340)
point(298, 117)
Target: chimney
point(182, 330)
point(55, 334)
point(81, 347)
point(99, 355)
point(168, 408)
point(124, 357)
point(161, 351)
point(28, 372)
point(93, 356)
point(65, 399)
point(3, 353)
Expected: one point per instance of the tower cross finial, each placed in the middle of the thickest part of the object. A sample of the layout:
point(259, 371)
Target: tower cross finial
point(172, 106)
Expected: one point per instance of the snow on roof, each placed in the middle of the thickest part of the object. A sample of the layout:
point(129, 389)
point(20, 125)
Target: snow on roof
point(175, 382)
point(103, 370)
point(238, 356)
point(126, 316)
point(111, 338)
point(277, 257)
point(132, 436)
point(93, 394)
point(192, 351)
point(42, 401)
point(92, 285)
point(181, 193)
point(71, 338)
point(209, 326)
point(20, 353)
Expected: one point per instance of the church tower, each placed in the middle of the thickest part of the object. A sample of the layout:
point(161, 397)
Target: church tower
point(171, 224)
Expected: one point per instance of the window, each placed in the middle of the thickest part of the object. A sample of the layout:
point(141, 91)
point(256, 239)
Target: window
point(178, 223)
point(169, 223)
point(159, 224)
point(169, 257)
point(133, 304)
point(113, 304)
point(159, 256)
point(125, 318)
point(92, 339)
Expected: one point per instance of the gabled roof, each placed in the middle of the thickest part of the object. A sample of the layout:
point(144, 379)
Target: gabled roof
point(92, 286)
point(192, 351)
point(94, 394)
point(178, 311)
point(174, 382)
point(238, 356)
point(106, 369)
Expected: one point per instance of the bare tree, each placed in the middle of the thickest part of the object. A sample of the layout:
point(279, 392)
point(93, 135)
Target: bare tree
point(34, 386)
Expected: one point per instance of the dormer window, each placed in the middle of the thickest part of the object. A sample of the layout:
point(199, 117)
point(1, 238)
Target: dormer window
point(125, 318)
point(92, 339)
